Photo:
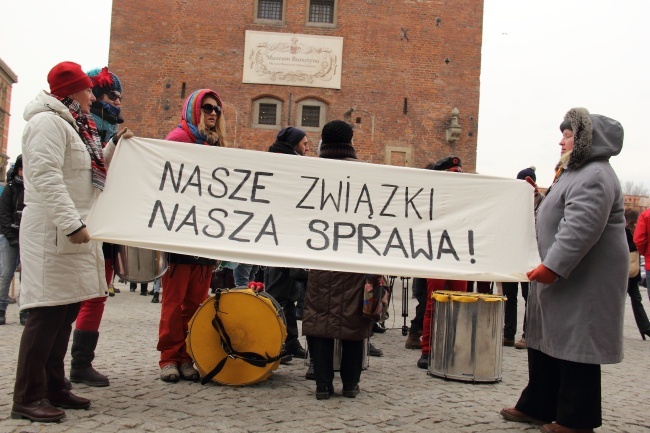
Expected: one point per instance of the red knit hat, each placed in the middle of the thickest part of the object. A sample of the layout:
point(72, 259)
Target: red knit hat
point(67, 78)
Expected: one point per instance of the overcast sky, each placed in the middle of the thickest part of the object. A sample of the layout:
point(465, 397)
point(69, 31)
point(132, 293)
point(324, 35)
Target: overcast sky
point(539, 59)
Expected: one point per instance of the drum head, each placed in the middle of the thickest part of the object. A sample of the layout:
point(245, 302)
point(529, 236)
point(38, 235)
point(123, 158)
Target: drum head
point(254, 324)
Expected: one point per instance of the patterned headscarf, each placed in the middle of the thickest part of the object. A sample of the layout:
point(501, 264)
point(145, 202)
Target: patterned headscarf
point(191, 115)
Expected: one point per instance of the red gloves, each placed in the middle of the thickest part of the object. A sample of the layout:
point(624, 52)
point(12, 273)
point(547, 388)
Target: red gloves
point(542, 274)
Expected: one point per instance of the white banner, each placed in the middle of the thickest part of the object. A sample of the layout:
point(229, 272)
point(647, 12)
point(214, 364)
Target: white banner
point(284, 210)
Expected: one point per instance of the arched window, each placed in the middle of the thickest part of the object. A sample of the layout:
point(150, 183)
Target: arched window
point(267, 113)
point(311, 114)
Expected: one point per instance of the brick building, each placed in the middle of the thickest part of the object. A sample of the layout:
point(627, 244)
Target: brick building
point(7, 79)
point(403, 67)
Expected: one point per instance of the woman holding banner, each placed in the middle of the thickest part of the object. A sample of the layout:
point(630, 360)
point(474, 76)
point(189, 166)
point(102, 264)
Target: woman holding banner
point(577, 295)
point(187, 281)
point(65, 170)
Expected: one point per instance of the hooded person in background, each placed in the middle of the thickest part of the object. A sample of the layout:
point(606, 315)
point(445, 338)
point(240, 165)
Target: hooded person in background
point(577, 295)
point(105, 111)
point(510, 289)
point(277, 280)
point(65, 171)
point(11, 209)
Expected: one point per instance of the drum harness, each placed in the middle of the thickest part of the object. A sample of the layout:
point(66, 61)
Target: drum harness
point(252, 358)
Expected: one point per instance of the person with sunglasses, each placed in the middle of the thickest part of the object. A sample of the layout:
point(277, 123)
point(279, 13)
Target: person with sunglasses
point(105, 111)
point(188, 279)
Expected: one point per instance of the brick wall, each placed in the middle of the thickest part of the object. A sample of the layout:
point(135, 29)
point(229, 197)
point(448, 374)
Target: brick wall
point(157, 45)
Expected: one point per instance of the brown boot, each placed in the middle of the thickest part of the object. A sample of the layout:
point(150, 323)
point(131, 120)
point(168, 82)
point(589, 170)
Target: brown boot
point(39, 411)
point(413, 341)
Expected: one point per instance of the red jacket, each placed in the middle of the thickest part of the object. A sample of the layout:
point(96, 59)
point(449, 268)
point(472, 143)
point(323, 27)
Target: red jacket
point(641, 236)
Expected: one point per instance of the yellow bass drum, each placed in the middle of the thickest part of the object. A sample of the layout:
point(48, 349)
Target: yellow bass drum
point(254, 326)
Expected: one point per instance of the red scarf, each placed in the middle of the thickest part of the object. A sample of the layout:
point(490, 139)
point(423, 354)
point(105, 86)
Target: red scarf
point(90, 137)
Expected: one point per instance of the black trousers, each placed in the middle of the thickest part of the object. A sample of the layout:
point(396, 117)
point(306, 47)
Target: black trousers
point(279, 284)
point(323, 356)
point(563, 391)
point(640, 316)
point(420, 294)
point(510, 321)
point(43, 347)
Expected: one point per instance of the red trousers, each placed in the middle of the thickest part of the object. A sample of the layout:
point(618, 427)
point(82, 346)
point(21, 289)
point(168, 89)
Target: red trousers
point(434, 285)
point(185, 287)
point(92, 310)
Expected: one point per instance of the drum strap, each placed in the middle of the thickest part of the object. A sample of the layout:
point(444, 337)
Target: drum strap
point(250, 357)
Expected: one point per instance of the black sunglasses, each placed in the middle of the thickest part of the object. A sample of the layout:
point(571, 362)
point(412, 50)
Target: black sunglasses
point(113, 96)
point(209, 108)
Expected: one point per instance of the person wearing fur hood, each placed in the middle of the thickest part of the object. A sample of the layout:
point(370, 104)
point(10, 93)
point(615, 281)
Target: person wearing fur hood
point(577, 295)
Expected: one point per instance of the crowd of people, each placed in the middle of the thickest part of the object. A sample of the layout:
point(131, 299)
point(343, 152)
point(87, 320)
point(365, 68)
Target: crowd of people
point(73, 131)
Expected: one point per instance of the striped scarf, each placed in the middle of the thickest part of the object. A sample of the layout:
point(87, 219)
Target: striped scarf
point(90, 137)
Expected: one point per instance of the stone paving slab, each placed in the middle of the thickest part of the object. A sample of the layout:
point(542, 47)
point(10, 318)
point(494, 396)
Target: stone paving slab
point(395, 395)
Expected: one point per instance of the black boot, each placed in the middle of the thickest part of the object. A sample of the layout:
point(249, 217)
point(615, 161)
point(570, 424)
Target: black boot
point(3, 319)
point(156, 298)
point(83, 353)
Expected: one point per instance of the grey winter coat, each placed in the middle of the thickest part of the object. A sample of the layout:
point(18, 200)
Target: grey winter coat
point(581, 237)
point(333, 306)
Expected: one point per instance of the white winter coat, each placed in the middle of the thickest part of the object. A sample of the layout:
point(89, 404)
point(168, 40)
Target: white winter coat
point(58, 196)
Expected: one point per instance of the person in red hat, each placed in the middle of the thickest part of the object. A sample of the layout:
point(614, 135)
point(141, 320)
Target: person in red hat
point(453, 164)
point(65, 170)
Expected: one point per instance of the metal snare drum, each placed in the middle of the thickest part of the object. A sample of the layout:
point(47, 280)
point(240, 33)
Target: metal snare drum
point(467, 336)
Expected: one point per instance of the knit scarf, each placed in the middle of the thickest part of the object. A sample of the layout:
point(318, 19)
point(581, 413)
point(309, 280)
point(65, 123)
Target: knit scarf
point(88, 133)
point(193, 132)
point(107, 118)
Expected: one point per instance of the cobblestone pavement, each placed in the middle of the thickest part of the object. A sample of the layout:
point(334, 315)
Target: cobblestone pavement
point(395, 395)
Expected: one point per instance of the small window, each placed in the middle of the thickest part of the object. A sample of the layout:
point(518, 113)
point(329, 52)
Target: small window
point(269, 10)
point(267, 113)
point(322, 11)
point(311, 114)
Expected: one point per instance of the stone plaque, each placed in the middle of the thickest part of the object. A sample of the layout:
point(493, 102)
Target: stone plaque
point(290, 59)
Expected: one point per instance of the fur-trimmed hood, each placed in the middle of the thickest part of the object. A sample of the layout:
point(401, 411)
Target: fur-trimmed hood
point(595, 136)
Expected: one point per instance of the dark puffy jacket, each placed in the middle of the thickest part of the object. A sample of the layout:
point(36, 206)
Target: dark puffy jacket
point(333, 306)
point(11, 206)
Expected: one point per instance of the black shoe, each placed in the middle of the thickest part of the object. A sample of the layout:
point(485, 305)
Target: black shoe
point(285, 358)
point(88, 375)
point(378, 328)
point(324, 392)
point(423, 362)
point(373, 351)
point(350, 391)
point(156, 298)
point(310, 372)
point(296, 350)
